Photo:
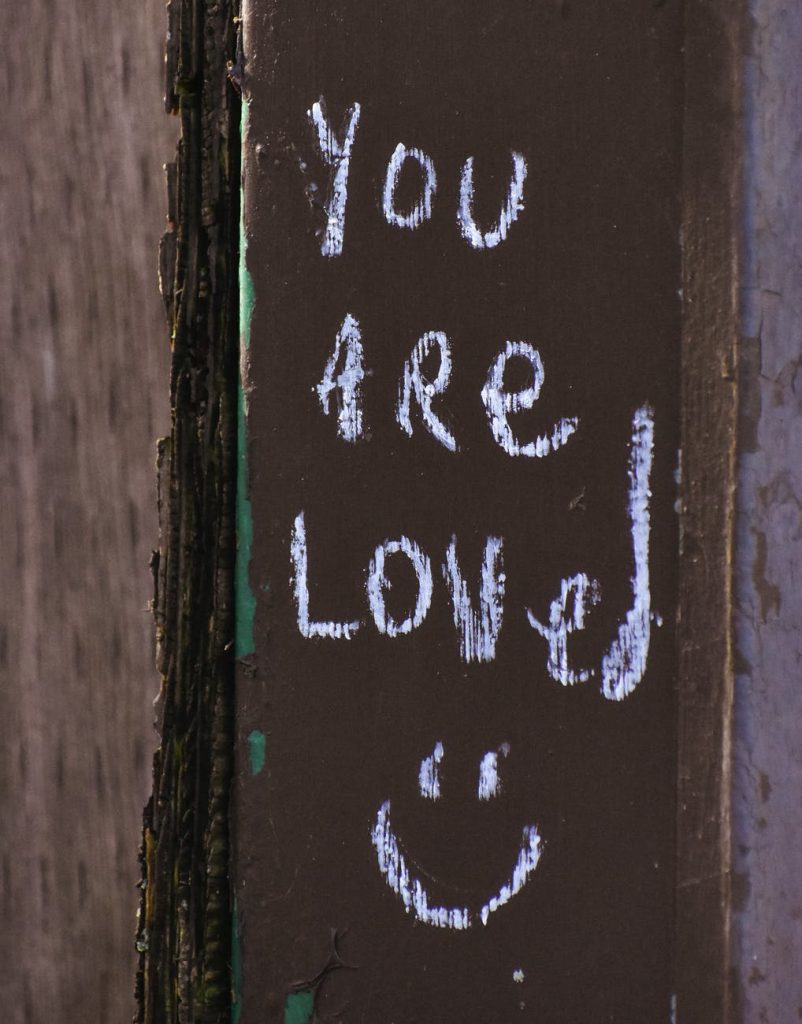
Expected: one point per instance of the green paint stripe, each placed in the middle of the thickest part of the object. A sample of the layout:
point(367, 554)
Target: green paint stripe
point(246, 293)
point(257, 749)
point(245, 605)
point(299, 1007)
point(245, 599)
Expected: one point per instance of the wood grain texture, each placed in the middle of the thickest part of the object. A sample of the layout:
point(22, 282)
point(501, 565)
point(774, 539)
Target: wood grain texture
point(184, 934)
point(84, 369)
point(767, 810)
point(711, 204)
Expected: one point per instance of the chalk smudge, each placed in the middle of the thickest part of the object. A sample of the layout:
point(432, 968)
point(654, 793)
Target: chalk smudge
point(429, 774)
point(489, 782)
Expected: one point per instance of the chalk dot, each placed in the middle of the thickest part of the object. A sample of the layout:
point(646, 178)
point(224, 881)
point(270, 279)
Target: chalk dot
point(518, 976)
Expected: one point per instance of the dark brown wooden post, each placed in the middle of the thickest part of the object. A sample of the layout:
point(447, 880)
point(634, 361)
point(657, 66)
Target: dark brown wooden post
point(402, 330)
point(486, 289)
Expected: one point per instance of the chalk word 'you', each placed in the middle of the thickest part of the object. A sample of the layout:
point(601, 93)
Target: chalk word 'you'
point(345, 372)
point(478, 625)
point(336, 148)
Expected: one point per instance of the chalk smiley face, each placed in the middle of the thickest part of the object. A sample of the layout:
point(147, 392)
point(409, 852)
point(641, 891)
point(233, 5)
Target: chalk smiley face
point(410, 889)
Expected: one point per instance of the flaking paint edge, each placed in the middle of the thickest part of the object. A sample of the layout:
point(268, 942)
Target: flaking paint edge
point(257, 750)
point(245, 599)
point(299, 1007)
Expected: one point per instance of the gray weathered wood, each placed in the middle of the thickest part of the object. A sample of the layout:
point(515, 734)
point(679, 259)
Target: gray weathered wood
point(768, 613)
point(84, 370)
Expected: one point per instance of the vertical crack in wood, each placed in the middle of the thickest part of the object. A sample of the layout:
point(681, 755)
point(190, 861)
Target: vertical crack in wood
point(184, 932)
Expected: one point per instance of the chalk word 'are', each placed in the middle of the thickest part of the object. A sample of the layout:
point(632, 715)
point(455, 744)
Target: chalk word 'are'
point(478, 626)
point(336, 148)
point(345, 373)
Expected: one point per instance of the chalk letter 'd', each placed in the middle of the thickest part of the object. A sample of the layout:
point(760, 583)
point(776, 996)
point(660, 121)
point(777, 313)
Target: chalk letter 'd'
point(624, 663)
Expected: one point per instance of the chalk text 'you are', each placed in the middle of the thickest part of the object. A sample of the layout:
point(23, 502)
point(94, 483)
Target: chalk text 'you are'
point(478, 619)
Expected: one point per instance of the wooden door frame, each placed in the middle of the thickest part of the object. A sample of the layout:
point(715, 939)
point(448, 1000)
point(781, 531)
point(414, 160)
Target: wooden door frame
point(711, 212)
point(712, 167)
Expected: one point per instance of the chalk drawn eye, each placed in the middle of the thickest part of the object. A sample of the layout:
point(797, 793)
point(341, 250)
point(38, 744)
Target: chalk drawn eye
point(429, 774)
point(489, 784)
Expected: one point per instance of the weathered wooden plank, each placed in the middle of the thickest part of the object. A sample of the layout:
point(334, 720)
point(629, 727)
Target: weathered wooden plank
point(767, 812)
point(83, 364)
point(359, 447)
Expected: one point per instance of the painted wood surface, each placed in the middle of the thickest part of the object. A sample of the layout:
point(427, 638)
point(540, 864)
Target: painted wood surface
point(83, 365)
point(462, 383)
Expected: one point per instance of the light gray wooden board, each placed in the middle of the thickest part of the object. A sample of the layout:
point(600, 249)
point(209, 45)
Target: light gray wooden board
point(767, 802)
point(84, 369)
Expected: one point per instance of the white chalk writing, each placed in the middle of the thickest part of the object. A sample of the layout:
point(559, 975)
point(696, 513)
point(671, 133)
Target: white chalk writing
point(510, 211)
point(422, 210)
point(347, 383)
point(501, 404)
point(336, 153)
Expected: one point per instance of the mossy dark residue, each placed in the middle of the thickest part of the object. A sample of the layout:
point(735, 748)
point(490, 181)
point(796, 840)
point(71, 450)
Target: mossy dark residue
point(185, 928)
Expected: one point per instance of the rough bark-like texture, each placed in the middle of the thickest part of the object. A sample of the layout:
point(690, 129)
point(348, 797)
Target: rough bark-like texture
point(768, 764)
point(184, 931)
point(83, 364)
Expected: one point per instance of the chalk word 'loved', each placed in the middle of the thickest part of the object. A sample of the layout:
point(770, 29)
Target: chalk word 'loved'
point(344, 373)
point(478, 626)
point(336, 148)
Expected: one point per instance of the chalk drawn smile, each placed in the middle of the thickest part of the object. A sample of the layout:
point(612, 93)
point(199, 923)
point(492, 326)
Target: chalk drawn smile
point(411, 891)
